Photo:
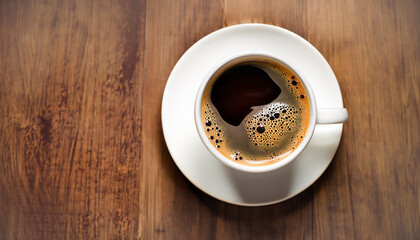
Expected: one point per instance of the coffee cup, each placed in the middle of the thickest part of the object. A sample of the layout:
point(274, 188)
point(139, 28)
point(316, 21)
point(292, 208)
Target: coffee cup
point(271, 133)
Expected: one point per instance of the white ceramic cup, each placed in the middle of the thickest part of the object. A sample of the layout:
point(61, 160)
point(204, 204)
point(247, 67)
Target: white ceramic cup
point(317, 115)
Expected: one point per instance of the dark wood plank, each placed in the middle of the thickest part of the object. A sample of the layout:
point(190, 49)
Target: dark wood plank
point(170, 208)
point(371, 189)
point(70, 118)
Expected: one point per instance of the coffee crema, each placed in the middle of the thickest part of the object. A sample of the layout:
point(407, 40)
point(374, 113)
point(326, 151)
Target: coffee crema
point(255, 112)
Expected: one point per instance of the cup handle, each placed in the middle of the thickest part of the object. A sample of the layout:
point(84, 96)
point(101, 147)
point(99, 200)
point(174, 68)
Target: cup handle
point(331, 115)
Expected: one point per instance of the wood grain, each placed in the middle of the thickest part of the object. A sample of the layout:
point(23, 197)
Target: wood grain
point(371, 189)
point(170, 207)
point(70, 119)
point(82, 154)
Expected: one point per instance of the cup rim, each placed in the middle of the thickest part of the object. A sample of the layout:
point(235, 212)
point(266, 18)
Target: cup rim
point(246, 168)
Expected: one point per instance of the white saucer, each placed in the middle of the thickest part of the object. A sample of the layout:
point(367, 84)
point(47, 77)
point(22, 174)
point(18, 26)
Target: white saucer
point(199, 165)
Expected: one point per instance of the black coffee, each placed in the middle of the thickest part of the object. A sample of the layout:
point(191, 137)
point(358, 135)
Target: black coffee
point(240, 88)
point(255, 112)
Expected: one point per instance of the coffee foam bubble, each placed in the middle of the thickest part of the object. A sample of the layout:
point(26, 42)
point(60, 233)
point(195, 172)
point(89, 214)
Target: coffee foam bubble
point(271, 127)
point(214, 131)
point(270, 132)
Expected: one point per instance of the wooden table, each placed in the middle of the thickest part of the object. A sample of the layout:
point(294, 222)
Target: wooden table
point(82, 154)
